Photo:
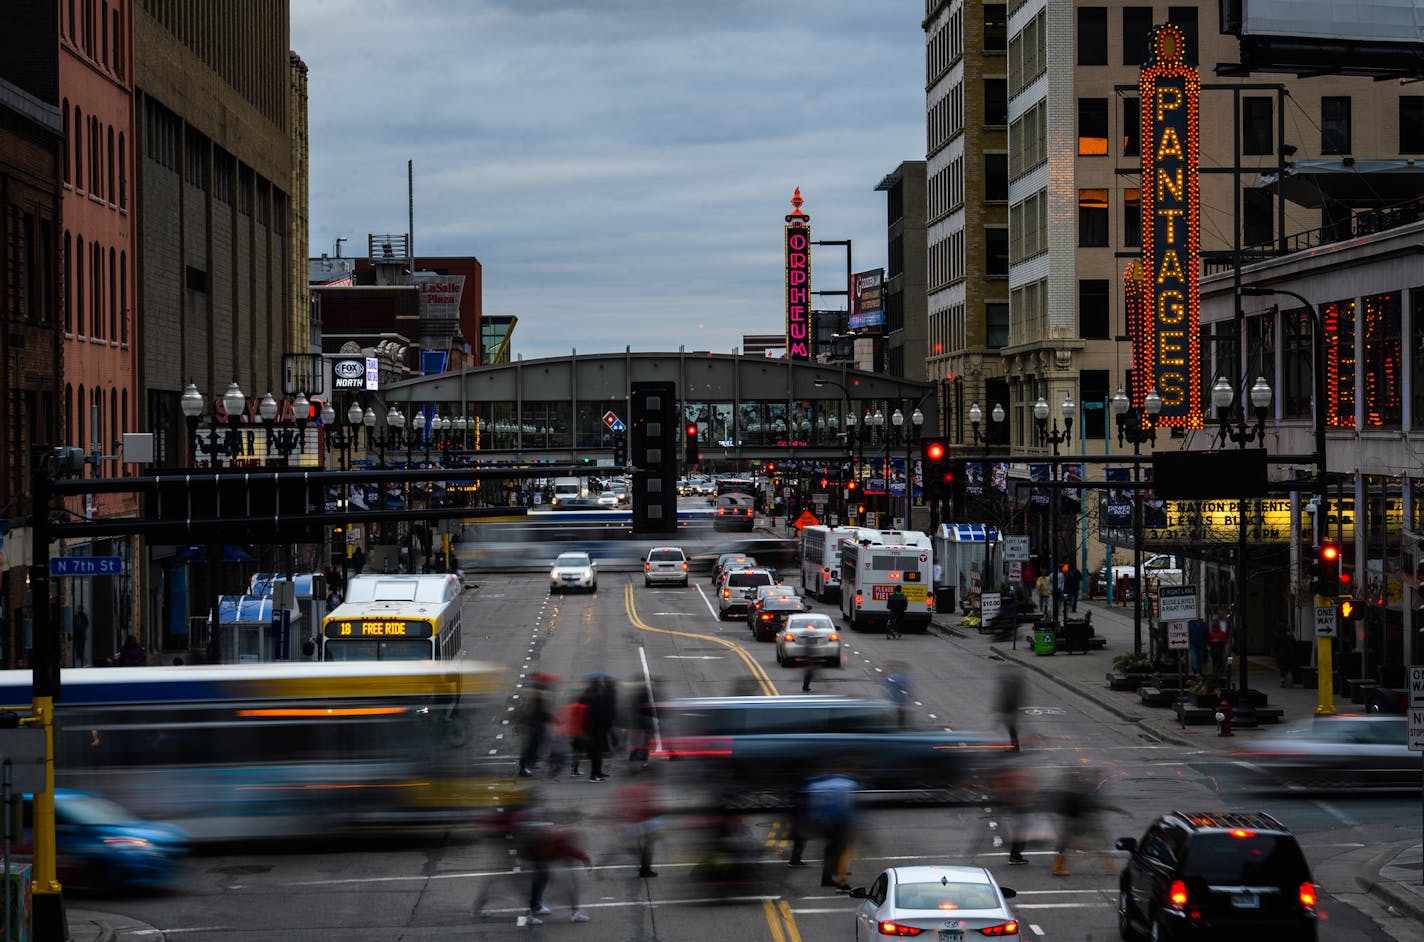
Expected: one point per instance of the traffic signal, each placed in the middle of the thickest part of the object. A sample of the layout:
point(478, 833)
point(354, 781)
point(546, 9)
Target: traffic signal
point(620, 450)
point(1325, 570)
point(937, 469)
point(1350, 609)
point(692, 454)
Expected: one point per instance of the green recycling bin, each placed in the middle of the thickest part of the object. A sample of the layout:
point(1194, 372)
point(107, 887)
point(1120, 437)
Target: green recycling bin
point(1043, 640)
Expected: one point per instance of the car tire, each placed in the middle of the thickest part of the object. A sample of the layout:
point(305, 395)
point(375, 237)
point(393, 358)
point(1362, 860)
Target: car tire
point(684, 583)
point(1161, 932)
point(1125, 928)
point(722, 614)
point(647, 583)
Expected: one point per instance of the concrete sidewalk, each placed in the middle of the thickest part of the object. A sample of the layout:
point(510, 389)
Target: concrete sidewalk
point(1390, 876)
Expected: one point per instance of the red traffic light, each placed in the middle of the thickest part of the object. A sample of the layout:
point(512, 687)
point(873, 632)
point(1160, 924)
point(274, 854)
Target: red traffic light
point(934, 451)
point(1329, 552)
point(691, 429)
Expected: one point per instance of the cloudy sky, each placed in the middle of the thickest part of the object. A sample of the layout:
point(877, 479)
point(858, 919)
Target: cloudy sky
point(621, 168)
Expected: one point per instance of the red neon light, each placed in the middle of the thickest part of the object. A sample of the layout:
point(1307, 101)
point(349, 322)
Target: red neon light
point(798, 281)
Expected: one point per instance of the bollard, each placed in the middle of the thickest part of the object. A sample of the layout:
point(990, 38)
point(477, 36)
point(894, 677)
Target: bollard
point(1223, 718)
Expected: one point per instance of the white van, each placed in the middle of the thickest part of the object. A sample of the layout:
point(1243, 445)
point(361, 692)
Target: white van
point(567, 487)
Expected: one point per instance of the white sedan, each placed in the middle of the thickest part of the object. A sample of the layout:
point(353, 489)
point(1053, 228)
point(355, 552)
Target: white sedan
point(808, 637)
point(947, 904)
point(573, 571)
point(608, 499)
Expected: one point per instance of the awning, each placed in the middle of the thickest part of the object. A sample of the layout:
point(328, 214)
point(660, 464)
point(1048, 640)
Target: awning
point(1349, 182)
point(967, 533)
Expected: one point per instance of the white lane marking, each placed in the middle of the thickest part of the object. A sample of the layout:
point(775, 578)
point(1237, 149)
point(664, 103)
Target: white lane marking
point(1036, 929)
point(1097, 905)
point(1336, 813)
point(693, 657)
point(648, 687)
point(705, 601)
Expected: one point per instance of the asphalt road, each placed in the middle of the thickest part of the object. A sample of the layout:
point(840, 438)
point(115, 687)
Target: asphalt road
point(426, 886)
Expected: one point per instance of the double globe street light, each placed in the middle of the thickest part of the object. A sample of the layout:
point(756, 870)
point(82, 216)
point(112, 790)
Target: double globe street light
point(1069, 410)
point(1136, 425)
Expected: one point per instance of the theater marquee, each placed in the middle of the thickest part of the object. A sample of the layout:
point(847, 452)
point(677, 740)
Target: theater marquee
point(798, 282)
point(1166, 342)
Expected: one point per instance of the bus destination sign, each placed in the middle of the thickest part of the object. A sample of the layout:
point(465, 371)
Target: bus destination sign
point(378, 628)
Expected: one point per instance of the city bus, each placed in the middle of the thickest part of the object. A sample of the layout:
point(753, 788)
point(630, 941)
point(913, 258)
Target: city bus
point(873, 562)
point(821, 559)
point(279, 750)
point(736, 486)
point(395, 618)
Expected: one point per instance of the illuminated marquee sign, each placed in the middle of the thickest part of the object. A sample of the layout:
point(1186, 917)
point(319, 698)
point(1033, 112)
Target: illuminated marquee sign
point(798, 282)
point(1166, 346)
point(378, 628)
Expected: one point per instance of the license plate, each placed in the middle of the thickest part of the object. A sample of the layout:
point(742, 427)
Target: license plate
point(951, 935)
point(1245, 900)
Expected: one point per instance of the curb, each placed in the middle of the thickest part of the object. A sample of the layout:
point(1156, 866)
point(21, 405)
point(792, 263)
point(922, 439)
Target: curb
point(1386, 892)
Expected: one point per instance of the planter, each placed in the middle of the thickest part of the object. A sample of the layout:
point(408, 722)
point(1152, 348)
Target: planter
point(1128, 680)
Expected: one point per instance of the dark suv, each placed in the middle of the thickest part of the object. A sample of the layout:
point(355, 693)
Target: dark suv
point(1214, 875)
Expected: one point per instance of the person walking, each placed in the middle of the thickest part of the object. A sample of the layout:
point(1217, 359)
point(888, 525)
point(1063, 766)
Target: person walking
point(1217, 637)
point(358, 560)
point(1077, 804)
point(543, 846)
point(534, 717)
point(1197, 632)
point(641, 812)
point(1010, 700)
point(81, 636)
point(1285, 650)
point(1014, 791)
point(1075, 578)
point(899, 690)
point(602, 703)
point(897, 604)
point(570, 726)
point(1044, 590)
point(831, 804)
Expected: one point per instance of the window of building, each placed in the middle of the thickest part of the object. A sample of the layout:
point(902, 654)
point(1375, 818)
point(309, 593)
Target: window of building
point(96, 290)
point(1185, 19)
point(1131, 127)
point(1382, 378)
point(1131, 217)
point(123, 174)
point(1411, 124)
point(113, 295)
point(1093, 387)
point(1298, 355)
point(1416, 362)
point(1335, 124)
point(1257, 126)
point(996, 27)
point(76, 287)
point(78, 144)
point(1092, 36)
point(1093, 308)
point(1093, 126)
point(996, 177)
point(65, 148)
point(996, 102)
point(112, 155)
point(1136, 24)
point(996, 250)
point(1258, 217)
point(1261, 348)
point(1092, 217)
point(996, 324)
point(1338, 318)
point(68, 286)
point(124, 298)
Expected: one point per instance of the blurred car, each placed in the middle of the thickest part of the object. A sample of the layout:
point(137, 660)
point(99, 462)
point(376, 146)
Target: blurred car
point(771, 613)
point(731, 561)
point(948, 903)
point(101, 846)
point(576, 502)
point(608, 499)
point(737, 589)
point(735, 512)
point(665, 564)
point(1205, 874)
point(620, 491)
point(775, 590)
point(573, 571)
point(1352, 750)
point(758, 750)
point(780, 554)
point(808, 637)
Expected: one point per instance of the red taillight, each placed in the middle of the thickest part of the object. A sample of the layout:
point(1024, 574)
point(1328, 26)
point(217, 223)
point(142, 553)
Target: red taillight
point(787, 636)
point(1003, 928)
point(894, 928)
point(833, 637)
point(647, 567)
point(1240, 833)
point(858, 598)
point(765, 616)
point(1307, 894)
point(1177, 894)
point(695, 747)
point(684, 567)
point(726, 593)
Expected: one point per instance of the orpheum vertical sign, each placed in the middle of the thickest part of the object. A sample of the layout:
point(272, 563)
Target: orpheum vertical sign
point(1166, 347)
point(798, 282)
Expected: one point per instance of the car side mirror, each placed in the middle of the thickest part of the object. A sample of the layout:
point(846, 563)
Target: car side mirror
point(1008, 891)
point(857, 892)
point(1126, 843)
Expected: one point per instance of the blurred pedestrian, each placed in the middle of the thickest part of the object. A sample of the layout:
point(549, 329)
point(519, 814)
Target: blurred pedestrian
point(1217, 637)
point(1015, 796)
point(1009, 702)
point(1077, 805)
point(533, 719)
point(641, 723)
point(641, 811)
point(81, 635)
point(897, 605)
point(800, 825)
point(602, 703)
point(568, 741)
point(1197, 632)
point(1074, 580)
point(899, 690)
point(544, 846)
point(358, 560)
point(1285, 650)
point(810, 675)
point(1044, 591)
point(830, 803)
point(132, 654)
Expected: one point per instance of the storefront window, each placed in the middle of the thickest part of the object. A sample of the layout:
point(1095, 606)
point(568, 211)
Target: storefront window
point(1416, 320)
point(1297, 384)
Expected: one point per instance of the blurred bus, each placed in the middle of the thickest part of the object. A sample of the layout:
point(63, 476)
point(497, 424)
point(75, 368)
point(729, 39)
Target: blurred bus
point(736, 486)
point(873, 563)
point(821, 559)
point(395, 618)
point(253, 751)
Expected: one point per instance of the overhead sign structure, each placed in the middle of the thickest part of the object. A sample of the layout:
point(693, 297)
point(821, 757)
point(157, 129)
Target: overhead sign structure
point(1177, 602)
point(86, 565)
point(1166, 331)
point(798, 282)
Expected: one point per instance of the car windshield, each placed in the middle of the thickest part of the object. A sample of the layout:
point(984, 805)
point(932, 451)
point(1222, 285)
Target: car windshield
point(571, 560)
point(1245, 858)
point(782, 605)
point(666, 555)
point(945, 896)
point(809, 622)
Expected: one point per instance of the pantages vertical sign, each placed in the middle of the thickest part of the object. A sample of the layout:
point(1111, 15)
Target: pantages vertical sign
point(1165, 347)
point(798, 282)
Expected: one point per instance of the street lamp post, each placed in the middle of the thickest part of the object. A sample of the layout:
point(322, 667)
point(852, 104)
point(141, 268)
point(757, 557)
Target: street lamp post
point(976, 418)
point(849, 431)
point(1235, 427)
point(1136, 425)
point(284, 441)
point(1068, 409)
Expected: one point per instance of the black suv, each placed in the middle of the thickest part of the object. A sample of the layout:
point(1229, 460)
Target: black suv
point(1211, 875)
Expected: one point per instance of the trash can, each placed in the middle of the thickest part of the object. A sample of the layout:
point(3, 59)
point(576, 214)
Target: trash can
point(944, 599)
point(1043, 640)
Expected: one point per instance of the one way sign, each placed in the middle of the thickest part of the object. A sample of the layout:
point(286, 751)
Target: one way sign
point(1416, 709)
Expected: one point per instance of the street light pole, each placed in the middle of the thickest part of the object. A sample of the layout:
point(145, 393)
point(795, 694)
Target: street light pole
point(1069, 409)
point(1136, 425)
point(1231, 414)
point(849, 431)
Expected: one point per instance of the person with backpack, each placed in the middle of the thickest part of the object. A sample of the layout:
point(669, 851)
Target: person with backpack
point(897, 604)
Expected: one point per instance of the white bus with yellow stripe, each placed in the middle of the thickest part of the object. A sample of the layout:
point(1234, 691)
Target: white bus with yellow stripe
point(873, 563)
point(395, 618)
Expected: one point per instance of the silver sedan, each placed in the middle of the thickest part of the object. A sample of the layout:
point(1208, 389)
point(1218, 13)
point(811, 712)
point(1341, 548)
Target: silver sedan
point(573, 571)
point(1346, 751)
point(808, 637)
point(947, 904)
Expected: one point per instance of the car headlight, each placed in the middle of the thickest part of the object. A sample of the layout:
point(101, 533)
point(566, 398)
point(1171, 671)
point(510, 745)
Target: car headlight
point(588, 573)
point(553, 573)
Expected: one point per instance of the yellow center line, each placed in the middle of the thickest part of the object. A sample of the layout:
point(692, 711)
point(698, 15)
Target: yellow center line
point(760, 675)
point(792, 933)
point(773, 920)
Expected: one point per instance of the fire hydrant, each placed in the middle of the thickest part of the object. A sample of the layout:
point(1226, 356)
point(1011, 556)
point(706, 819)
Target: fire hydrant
point(1223, 718)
